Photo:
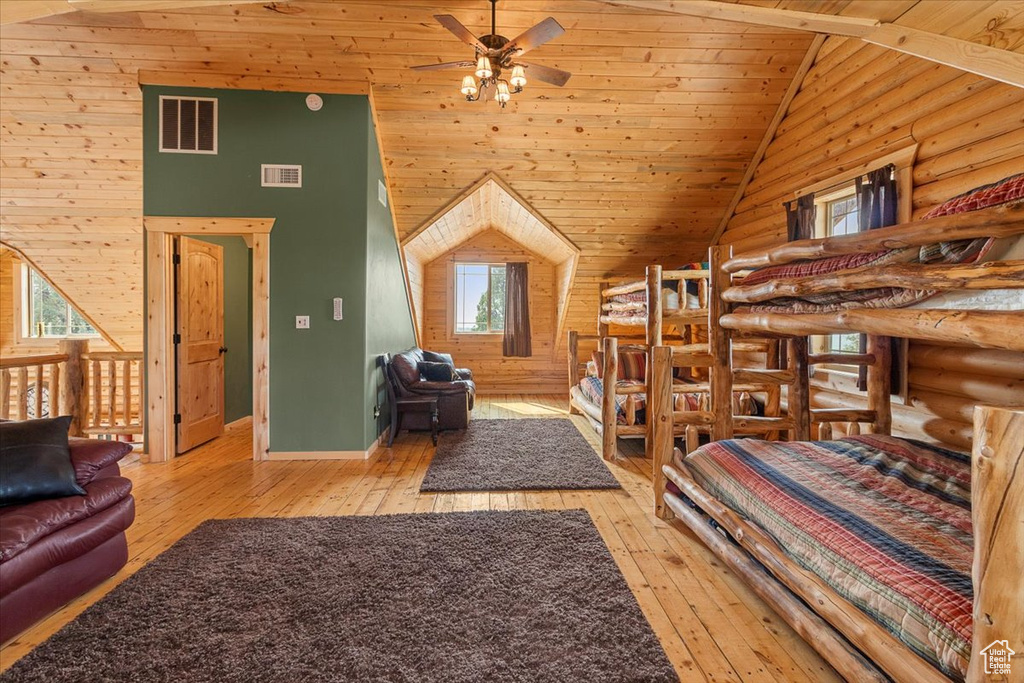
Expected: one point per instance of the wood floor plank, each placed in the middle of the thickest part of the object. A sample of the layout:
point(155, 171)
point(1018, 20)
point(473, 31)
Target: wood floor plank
point(711, 626)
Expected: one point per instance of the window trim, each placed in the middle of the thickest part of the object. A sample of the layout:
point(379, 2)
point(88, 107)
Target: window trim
point(22, 309)
point(453, 300)
point(179, 98)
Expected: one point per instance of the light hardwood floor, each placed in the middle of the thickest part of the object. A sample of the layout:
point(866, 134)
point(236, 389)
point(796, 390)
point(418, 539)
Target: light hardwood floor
point(710, 625)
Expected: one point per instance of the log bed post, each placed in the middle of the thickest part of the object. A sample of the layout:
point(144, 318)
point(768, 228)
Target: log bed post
point(880, 383)
point(654, 306)
point(800, 390)
point(602, 327)
point(574, 365)
point(720, 377)
point(997, 512)
point(659, 417)
point(609, 417)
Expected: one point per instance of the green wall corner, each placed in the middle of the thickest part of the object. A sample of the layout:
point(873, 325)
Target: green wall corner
point(326, 238)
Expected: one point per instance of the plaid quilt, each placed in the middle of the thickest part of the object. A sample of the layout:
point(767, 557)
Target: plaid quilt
point(886, 522)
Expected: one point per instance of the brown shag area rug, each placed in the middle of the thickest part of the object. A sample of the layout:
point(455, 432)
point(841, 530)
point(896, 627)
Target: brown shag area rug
point(516, 455)
point(468, 597)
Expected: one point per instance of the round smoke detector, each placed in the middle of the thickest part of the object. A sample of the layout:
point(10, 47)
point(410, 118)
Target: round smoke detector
point(314, 102)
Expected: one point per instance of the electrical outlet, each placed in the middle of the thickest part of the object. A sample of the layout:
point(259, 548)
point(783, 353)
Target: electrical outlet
point(302, 322)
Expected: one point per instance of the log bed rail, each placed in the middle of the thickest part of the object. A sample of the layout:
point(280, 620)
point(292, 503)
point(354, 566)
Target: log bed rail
point(855, 645)
point(101, 391)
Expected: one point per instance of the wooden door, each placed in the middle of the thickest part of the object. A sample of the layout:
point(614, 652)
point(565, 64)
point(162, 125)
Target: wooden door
point(200, 345)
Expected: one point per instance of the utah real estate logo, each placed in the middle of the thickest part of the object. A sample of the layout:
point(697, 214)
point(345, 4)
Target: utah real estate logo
point(997, 657)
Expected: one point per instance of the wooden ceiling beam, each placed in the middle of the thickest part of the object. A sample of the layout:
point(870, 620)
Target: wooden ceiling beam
point(990, 62)
point(17, 11)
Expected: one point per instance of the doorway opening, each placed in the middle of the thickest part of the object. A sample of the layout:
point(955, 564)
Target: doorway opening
point(187, 392)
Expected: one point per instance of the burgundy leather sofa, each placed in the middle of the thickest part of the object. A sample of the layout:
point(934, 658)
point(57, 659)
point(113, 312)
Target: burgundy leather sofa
point(52, 551)
point(454, 399)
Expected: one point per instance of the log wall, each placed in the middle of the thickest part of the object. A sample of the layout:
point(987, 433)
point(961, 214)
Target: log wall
point(858, 103)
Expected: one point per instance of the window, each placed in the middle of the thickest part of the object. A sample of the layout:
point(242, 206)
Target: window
point(479, 298)
point(837, 215)
point(46, 314)
point(188, 124)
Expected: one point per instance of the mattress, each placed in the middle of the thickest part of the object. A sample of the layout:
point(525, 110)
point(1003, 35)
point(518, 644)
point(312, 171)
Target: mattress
point(885, 522)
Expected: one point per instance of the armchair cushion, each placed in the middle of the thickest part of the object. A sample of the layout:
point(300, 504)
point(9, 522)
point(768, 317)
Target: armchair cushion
point(406, 366)
point(464, 373)
point(427, 387)
point(438, 372)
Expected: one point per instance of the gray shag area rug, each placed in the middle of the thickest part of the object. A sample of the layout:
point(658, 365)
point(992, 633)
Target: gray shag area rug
point(517, 455)
point(457, 597)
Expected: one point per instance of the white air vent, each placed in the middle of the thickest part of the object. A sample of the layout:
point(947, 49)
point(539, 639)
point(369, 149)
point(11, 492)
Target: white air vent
point(281, 175)
point(382, 193)
point(188, 125)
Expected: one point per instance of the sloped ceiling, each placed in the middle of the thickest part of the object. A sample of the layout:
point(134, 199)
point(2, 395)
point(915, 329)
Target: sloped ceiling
point(489, 204)
point(635, 160)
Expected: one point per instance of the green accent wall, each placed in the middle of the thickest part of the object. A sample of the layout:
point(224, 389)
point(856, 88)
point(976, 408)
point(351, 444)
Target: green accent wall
point(319, 247)
point(389, 326)
point(237, 325)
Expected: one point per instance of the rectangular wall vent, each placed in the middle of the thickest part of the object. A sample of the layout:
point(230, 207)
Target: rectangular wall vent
point(188, 125)
point(281, 175)
point(382, 193)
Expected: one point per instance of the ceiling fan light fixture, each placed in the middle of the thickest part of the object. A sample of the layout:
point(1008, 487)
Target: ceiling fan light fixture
point(483, 67)
point(469, 88)
point(502, 94)
point(518, 79)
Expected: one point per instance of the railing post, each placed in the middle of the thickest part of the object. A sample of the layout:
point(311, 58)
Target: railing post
point(72, 384)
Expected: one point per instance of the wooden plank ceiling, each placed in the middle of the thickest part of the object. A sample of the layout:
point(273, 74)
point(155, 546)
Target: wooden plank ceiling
point(634, 160)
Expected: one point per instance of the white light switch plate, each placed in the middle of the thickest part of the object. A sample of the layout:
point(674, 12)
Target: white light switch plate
point(302, 322)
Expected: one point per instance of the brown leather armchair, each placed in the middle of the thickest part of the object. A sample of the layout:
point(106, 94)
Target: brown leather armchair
point(454, 399)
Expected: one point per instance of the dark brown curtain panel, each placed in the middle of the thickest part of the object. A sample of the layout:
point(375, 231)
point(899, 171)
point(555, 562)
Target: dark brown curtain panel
point(877, 205)
point(800, 217)
point(517, 312)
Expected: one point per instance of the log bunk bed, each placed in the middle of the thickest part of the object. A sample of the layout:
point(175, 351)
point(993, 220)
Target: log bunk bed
point(610, 391)
point(894, 559)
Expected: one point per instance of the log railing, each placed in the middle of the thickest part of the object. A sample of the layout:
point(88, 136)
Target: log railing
point(113, 392)
point(101, 391)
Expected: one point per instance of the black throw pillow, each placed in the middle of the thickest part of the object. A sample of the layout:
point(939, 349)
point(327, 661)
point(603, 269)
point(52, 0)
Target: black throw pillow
point(438, 358)
point(35, 462)
point(437, 372)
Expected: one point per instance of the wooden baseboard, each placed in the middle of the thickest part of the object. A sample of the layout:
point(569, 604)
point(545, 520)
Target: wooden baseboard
point(322, 455)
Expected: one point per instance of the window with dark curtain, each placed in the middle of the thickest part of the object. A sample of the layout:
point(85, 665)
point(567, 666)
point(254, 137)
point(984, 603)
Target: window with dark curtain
point(516, 341)
point(800, 217)
point(877, 206)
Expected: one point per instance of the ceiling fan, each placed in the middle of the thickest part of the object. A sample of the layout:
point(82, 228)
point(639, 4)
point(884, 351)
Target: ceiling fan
point(496, 54)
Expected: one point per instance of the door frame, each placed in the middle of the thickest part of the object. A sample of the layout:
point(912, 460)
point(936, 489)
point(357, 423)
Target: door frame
point(160, 366)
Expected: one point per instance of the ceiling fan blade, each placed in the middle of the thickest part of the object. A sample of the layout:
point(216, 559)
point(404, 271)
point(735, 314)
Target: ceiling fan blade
point(546, 74)
point(546, 30)
point(460, 31)
point(444, 65)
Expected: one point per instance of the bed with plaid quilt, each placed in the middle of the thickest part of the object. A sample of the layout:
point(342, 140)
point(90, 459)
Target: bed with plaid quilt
point(886, 522)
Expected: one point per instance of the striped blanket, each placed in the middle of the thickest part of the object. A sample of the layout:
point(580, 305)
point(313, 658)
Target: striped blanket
point(886, 522)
